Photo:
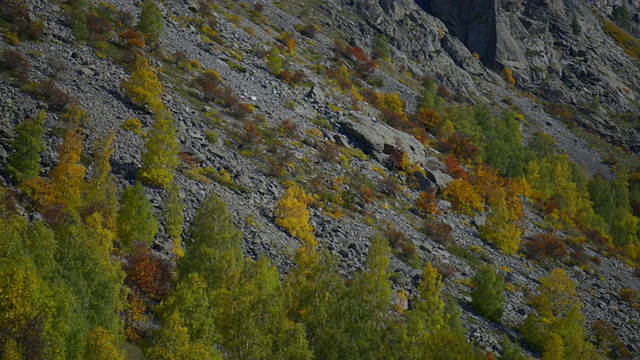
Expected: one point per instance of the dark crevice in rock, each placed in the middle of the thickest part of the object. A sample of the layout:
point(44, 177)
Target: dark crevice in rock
point(471, 21)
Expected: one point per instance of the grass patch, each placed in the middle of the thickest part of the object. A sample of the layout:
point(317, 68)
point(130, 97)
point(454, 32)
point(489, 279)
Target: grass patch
point(465, 254)
point(630, 44)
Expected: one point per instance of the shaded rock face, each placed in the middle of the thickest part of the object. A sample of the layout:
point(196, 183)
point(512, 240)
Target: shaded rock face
point(471, 21)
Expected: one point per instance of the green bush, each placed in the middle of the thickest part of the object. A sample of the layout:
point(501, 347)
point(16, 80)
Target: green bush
point(488, 294)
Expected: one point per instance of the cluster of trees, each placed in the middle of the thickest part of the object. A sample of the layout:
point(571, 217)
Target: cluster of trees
point(80, 279)
point(83, 279)
point(493, 169)
point(558, 329)
point(64, 291)
point(226, 305)
point(61, 287)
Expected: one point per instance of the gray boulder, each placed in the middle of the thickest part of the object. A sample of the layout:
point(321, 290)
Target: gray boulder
point(378, 139)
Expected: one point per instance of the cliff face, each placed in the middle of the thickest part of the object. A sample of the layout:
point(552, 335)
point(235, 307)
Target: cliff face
point(471, 21)
point(557, 51)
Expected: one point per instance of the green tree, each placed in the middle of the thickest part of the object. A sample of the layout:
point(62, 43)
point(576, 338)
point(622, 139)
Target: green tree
point(172, 342)
point(94, 279)
point(214, 244)
point(250, 315)
point(151, 22)
point(160, 156)
point(511, 351)
point(563, 184)
point(504, 149)
point(135, 221)
point(621, 15)
point(624, 229)
point(465, 122)
point(312, 289)
point(274, 62)
point(35, 302)
point(611, 201)
point(356, 318)
point(431, 330)
point(229, 300)
point(559, 309)
point(380, 48)
point(100, 195)
point(173, 213)
point(429, 98)
point(28, 146)
point(602, 194)
point(431, 301)
point(191, 298)
point(488, 293)
point(542, 145)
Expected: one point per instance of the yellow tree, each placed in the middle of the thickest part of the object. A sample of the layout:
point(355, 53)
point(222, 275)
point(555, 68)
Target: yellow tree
point(557, 295)
point(464, 196)
point(160, 156)
point(62, 191)
point(292, 215)
point(67, 178)
point(143, 87)
point(431, 301)
point(172, 342)
point(554, 349)
point(501, 228)
point(559, 308)
point(24, 305)
point(101, 345)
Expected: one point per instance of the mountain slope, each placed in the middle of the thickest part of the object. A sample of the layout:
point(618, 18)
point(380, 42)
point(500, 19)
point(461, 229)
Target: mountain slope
point(293, 105)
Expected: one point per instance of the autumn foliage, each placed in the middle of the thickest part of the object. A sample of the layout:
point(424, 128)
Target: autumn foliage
point(426, 203)
point(143, 87)
point(291, 214)
point(146, 273)
point(463, 196)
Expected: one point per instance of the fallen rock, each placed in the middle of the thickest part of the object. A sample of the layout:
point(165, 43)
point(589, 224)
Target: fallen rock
point(316, 95)
point(439, 178)
point(378, 139)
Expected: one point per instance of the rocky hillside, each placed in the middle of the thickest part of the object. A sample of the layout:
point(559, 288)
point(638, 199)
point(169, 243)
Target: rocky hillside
point(470, 135)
